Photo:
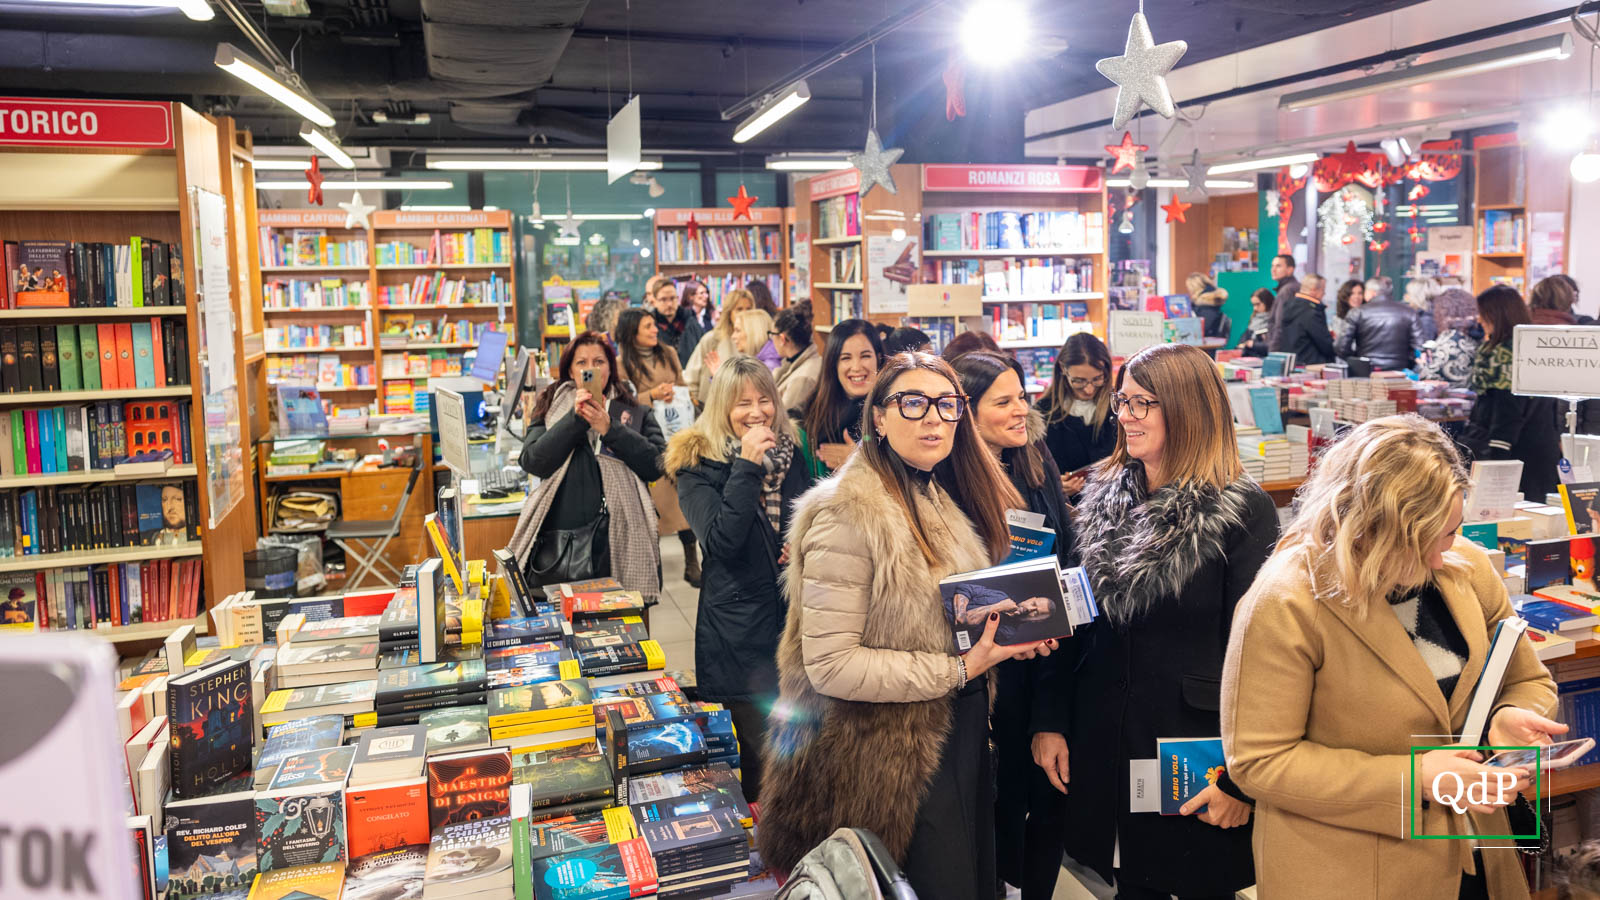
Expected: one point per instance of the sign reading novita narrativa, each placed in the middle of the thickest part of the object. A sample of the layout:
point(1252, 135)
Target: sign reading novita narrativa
point(1556, 360)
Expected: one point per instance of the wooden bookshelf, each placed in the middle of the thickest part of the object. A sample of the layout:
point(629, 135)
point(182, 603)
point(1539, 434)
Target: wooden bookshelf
point(708, 260)
point(150, 631)
point(98, 191)
point(1499, 187)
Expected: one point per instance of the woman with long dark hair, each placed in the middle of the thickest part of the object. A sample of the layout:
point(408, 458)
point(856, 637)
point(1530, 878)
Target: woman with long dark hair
point(1503, 425)
point(594, 447)
point(1170, 532)
point(1030, 794)
point(653, 368)
point(831, 425)
point(802, 365)
point(1079, 428)
point(879, 725)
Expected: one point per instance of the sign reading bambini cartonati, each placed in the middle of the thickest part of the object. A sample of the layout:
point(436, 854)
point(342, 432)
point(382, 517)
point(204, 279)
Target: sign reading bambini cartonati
point(35, 122)
point(1013, 179)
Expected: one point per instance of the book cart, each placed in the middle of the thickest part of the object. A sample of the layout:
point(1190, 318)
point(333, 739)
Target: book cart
point(146, 170)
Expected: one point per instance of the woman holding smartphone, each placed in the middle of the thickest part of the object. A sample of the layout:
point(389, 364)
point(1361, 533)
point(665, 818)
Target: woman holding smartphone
point(1363, 638)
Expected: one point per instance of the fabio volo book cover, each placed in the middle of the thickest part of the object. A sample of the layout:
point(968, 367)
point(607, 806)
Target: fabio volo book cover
point(1187, 767)
point(1028, 595)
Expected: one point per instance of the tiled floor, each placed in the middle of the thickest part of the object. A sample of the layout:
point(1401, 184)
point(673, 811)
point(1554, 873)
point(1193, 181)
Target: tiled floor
point(672, 624)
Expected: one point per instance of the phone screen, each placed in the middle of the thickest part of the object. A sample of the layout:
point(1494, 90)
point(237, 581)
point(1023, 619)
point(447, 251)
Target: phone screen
point(1554, 756)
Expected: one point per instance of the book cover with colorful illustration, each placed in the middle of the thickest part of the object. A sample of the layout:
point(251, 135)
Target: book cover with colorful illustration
point(462, 787)
point(211, 723)
point(1188, 766)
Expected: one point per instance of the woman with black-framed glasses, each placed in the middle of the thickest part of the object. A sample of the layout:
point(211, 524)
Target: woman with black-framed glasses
point(1079, 430)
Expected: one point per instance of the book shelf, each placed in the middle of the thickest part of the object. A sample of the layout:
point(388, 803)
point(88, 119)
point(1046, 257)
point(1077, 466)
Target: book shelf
point(841, 223)
point(726, 252)
point(1499, 218)
point(152, 182)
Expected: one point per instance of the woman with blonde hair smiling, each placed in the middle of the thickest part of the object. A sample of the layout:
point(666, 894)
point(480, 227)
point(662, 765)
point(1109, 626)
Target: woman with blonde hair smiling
point(716, 345)
point(1362, 638)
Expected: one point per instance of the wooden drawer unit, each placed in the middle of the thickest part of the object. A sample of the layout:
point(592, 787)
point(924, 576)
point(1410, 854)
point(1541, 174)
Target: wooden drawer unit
point(375, 496)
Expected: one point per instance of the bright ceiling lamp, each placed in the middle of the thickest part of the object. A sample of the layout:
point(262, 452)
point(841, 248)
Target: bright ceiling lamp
point(1555, 46)
point(393, 184)
point(281, 165)
point(1268, 162)
point(1211, 183)
point(326, 145)
point(198, 10)
point(231, 60)
point(807, 162)
point(509, 163)
point(776, 107)
point(992, 30)
point(592, 217)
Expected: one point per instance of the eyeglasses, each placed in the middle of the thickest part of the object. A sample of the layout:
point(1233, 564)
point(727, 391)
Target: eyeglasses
point(774, 334)
point(914, 405)
point(1139, 407)
point(1099, 382)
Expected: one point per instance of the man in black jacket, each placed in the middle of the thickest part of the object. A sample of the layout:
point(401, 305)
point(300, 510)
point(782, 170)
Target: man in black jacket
point(677, 326)
point(1305, 324)
point(1285, 286)
point(1386, 333)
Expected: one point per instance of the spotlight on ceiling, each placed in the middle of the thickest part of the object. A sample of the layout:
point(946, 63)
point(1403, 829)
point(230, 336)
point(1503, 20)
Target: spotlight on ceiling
point(992, 30)
point(383, 118)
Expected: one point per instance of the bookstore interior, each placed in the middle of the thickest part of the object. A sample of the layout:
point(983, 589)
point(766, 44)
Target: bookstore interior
point(383, 454)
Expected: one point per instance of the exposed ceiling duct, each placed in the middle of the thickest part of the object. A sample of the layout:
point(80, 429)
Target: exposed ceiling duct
point(494, 43)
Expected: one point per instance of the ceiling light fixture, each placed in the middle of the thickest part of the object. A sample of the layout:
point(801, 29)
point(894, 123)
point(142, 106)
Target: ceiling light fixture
point(509, 163)
point(326, 145)
point(1269, 162)
point(774, 108)
point(280, 165)
point(393, 184)
point(992, 30)
point(383, 118)
point(198, 10)
point(284, 88)
point(807, 162)
point(1211, 183)
point(1555, 46)
point(597, 217)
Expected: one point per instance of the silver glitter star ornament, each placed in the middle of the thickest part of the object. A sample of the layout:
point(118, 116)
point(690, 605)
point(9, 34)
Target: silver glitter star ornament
point(569, 226)
point(1140, 73)
point(1196, 174)
point(356, 212)
point(874, 162)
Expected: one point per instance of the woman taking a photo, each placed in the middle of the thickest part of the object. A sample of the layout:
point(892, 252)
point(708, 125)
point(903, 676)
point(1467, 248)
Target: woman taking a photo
point(1504, 425)
point(1362, 638)
point(802, 364)
point(716, 345)
point(594, 448)
point(653, 368)
point(879, 725)
point(831, 427)
point(1077, 410)
point(738, 478)
point(1030, 800)
point(1170, 532)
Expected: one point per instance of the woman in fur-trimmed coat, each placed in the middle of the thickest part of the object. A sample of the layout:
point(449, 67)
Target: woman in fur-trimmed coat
point(1171, 533)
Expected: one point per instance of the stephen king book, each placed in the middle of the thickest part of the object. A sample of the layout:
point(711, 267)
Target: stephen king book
point(211, 727)
point(474, 784)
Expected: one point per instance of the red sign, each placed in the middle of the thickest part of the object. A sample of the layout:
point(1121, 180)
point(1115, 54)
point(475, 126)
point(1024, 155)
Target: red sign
point(760, 215)
point(835, 184)
point(1012, 179)
point(302, 218)
point(84, 123)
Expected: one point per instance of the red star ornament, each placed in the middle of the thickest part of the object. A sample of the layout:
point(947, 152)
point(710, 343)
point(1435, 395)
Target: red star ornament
point(314, 175)
point(693, 228)
point(742, 203)
point(1175, 210)
point(1126, 154)
point(1351, 162)
point(1378, 246)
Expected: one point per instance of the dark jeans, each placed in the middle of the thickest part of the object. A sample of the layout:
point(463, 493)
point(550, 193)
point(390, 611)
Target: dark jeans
point(750, 723)
point(1475, 887)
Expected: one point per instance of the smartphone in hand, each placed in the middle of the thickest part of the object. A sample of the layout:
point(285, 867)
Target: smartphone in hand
point(1554, 756)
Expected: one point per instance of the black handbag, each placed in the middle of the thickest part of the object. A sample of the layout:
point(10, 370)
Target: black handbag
point(572, 554)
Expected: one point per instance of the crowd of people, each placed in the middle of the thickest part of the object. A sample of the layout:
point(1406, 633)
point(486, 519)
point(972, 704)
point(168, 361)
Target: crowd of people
point(821, 497)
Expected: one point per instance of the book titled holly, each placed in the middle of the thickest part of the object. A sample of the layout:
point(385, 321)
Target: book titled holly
point(1187, 766)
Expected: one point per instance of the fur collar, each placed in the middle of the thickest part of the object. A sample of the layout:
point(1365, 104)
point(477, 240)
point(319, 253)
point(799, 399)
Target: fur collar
point(1036, 426)
point(1140, 550)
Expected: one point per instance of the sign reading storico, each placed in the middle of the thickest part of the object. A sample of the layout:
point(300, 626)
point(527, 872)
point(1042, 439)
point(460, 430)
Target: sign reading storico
point(84, 123)
point(1556, 360)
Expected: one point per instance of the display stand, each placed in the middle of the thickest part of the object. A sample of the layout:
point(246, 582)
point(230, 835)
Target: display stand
point(725, 252)
point(146, 173)
point(1499, 191)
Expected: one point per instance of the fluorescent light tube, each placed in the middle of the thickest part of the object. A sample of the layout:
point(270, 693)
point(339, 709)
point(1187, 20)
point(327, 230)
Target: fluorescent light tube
point(327, 146)
point(531, 164)
point(1218, 184)
point(1555, 46)
point(280, 165)
point(229, 59)
point(1268, 162)
point(593, 217)
point(198, 10)
point(393, 184)
point(786, 101)
point(806, 162)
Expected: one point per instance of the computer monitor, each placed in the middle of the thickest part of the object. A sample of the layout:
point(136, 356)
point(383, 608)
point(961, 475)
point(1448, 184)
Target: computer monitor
point(491, 354)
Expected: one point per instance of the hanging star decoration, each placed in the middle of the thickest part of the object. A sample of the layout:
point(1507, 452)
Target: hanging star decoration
point(741, 203)
point(1196, 175)
point(1126, 154)
point(314, 175)
point(356, 212)
point(1175, 210)
point(1351, 162)
point(1378, 246)
point(873, 162)
point(569, 225)
point(692, 228)
point(955, 94)
point(1140, 72)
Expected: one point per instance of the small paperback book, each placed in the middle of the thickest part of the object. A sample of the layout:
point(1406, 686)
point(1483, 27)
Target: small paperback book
point(456, 728)
point(384, 816)
point(298, 736)
point(211, 843)
point(469, 857)
point(1581, 503)
point(389, 754)
point(1028, 597)
point(551, 701)
point(596, 873)
point(471, 785)
point(1187, 766)
point(315, 881)
point(393, 874)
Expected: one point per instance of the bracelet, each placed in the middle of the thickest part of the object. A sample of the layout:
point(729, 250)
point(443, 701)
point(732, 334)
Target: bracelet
point(961, 673)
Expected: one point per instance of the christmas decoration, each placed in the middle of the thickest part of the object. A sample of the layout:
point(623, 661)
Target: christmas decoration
point(1126, 154)
point(356, 212)
point(741, 203)
point(1351, 162)
point(955, 96)
point(314, 175)
point(874, 162)
point(1348, 239)
point(569, 225)
point(1175, 210)
point(1380, 227)
point(1140, 72)
point(1196, 174)
point(693, 228)
point(1378, 246)
point(1345, 210)
point(1418, 192)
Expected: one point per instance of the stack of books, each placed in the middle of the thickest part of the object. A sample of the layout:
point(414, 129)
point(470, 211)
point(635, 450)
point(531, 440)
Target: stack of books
point(404, 693)
point(699, 849)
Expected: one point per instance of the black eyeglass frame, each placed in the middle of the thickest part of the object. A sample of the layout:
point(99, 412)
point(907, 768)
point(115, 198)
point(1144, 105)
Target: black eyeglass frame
point(1120, 400)
point(898, 398)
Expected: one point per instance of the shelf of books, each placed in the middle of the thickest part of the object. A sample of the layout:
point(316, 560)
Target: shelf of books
point(843, 226)
point(725, 252)
point(1501, 222)
point(104, 468)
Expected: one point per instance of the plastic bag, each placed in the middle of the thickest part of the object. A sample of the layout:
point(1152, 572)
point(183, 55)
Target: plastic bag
point(676, 414)
point(308, 575)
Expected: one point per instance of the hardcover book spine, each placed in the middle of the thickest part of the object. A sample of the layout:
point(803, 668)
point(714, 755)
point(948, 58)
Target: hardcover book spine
point(49, 367)
point(67, 357)
point(89, 357)
point(106, 340)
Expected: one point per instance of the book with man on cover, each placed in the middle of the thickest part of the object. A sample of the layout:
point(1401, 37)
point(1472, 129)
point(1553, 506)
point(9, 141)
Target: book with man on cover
point(1027, 595)
point(1581, 503)
point(211, 727)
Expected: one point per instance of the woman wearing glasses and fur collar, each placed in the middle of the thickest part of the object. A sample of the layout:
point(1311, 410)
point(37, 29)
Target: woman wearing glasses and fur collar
point(1171, 532)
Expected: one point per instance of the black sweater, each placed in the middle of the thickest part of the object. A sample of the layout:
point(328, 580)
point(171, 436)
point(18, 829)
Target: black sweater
point(634, 437)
